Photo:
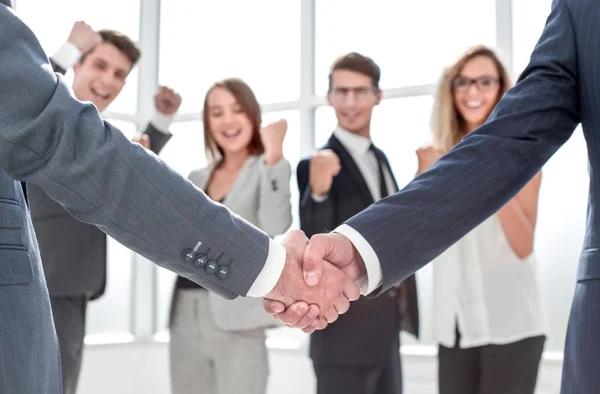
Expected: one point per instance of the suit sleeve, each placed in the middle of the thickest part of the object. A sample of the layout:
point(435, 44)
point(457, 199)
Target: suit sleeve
point(158, 139)
point(49, 138)
point(315, 217)
point(477, 177)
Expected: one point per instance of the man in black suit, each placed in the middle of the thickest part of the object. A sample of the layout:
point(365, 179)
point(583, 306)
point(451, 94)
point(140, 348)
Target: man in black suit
point(74, 253)
point(360, 352)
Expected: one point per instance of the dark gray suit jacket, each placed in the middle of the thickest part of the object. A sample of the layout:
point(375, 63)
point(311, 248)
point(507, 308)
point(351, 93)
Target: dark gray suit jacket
point(376, 321)
point(73, 252)
point(559, 89)
point(49, 138)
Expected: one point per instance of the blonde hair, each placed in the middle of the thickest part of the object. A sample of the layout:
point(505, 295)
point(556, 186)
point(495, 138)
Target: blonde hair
point(447, 125)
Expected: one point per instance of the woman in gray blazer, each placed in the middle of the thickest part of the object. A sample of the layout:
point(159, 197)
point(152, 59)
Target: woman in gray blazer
point(218, 346)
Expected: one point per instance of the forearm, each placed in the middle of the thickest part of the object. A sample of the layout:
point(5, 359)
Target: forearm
point(63, 145)
point(517, 228)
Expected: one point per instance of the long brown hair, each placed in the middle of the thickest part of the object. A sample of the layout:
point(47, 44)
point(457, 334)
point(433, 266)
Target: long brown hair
point(447, 124)
point(247, 100)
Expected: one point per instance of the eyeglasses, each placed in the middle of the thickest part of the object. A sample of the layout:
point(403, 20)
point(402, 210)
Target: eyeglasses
point(360, 93)
point(483, 84)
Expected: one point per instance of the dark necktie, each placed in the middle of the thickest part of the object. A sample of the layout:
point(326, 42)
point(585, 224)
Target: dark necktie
point(380, 165)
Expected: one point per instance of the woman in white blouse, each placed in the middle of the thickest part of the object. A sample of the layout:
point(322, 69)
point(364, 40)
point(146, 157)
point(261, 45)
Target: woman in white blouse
point(487, 311)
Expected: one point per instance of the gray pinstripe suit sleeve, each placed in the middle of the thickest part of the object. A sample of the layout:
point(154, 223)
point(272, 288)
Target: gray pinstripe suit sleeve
point(49, 138)
point(477, 177)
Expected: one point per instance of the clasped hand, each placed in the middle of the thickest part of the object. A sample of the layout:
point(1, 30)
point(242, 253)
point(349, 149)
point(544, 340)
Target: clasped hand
point(318, 281)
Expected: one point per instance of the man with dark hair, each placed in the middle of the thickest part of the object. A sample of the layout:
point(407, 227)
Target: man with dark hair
point(360, 352)
point(74, 253)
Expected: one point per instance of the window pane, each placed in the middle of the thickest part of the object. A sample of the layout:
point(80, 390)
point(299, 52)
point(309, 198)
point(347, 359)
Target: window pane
point(399, 127)
point(528, 18)
point(111, 313)
point(409, 40)
point(258, 41)
point(185, 152)
point(109, 14)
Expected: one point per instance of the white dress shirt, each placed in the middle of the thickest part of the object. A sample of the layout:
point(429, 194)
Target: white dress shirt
point(489, 291)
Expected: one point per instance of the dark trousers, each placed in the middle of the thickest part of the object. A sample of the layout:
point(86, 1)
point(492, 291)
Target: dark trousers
point(69, 320)
point(353, 379)
point(491, 369)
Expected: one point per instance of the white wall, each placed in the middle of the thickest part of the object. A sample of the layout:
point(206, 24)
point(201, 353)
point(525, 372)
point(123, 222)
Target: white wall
point(142, 367)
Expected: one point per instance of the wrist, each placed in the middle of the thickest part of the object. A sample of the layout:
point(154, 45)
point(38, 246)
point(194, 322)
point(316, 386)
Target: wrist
point(273, 157)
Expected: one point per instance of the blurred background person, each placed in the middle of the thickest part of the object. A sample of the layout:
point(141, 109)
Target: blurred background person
point(360, 352)
point(487, 311)
point(217, 346)
point(74, 253)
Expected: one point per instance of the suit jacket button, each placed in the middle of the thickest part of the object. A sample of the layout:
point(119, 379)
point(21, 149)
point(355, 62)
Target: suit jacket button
point(223, 272)
point(200, 261)
point(211, 267)
point(188, 256)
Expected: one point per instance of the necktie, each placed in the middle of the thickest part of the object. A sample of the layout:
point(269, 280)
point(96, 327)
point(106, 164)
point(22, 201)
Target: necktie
point(380, 164)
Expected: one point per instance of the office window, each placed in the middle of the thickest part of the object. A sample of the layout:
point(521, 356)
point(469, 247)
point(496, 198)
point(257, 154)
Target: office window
point(399, 127)
point(528, 19)
point(410, 40)
point(111, 314)
point(53, 31)
point(258, 41)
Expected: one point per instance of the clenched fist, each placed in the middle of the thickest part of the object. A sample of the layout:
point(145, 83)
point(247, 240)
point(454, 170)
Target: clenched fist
point(167, 101)
point(324, 165)
point(427, 156)
point(84, 37)
point(272, 138)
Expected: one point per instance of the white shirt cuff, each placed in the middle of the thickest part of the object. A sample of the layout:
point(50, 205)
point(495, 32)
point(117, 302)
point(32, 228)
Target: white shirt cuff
point(318, 198)
point(268, 277)
point(373, 277)
point(162, 122)
point(67, 56)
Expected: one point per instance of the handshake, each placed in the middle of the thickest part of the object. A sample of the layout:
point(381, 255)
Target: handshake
point(318, 281)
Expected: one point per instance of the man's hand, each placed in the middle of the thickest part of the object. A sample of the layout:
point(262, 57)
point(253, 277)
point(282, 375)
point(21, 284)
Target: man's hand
point(322, 250)
point(272, 138)
point(330, 248)
point(333, 294)
point(324, 165)
point(84, 37)
point(167, 101)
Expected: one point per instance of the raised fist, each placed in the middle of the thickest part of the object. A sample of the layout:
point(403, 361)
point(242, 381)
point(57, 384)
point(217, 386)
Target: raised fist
point(272, 137)
point(167, 101)
point(427, 155)
point(84, 37)
point(324, 165)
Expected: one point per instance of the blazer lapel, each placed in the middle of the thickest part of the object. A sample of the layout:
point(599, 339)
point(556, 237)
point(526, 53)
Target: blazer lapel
point(349, 165)
point(237, 188)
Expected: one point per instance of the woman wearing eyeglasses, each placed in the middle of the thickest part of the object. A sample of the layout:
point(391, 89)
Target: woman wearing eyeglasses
point(487, 310)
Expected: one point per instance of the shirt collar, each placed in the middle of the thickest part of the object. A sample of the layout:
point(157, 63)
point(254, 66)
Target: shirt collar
point(354, 142)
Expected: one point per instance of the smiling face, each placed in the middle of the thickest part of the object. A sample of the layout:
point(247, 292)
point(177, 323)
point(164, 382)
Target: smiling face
point(229, 124)
point(101, 75)
point(353, 97)
point(476, 90)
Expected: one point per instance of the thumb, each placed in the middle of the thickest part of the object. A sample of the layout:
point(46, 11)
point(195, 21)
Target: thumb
point(316, 253)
